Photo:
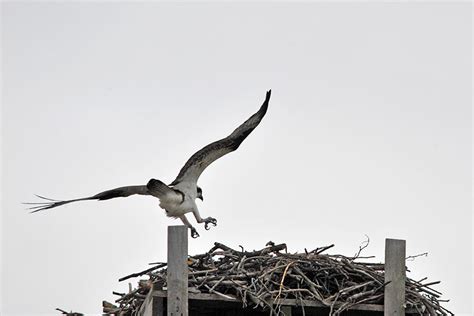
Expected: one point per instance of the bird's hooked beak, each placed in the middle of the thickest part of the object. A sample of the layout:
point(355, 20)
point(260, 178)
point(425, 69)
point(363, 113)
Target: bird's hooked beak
point(199, 194)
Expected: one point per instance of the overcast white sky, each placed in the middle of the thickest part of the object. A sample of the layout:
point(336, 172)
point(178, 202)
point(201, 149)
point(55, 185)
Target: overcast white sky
point(368, 132)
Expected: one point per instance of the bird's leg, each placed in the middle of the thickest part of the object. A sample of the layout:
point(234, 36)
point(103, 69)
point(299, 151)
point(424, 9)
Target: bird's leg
point(206, 221)
point(185, 221)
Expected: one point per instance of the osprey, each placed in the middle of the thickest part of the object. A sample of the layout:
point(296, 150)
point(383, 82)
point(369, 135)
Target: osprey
point(178, 198)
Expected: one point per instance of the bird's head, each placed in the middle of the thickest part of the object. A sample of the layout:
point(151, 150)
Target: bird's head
point(199, 194)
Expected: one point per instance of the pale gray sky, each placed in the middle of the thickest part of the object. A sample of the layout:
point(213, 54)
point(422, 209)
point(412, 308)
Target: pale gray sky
point(368, 132)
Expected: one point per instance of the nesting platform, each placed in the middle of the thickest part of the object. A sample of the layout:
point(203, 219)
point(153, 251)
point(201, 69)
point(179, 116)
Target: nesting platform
point(270, 281)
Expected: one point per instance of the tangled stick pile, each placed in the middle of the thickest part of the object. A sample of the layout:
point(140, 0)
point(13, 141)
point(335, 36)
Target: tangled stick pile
point(265, 277)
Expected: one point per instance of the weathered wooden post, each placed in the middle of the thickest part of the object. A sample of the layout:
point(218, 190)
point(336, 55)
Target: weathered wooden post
point(286, 310)
point(177, 276)
point(395, 273)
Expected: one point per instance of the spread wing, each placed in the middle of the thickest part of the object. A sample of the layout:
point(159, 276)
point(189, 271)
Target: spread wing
point(106, 195)
point(204, 157)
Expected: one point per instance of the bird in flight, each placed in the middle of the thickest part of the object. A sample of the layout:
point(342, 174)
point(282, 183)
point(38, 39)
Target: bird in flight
point(178, 198)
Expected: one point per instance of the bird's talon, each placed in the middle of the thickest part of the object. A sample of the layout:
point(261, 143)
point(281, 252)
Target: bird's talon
point(194, 233)
point(210, 220)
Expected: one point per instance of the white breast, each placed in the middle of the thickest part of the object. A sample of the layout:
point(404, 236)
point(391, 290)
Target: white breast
point(174, 209)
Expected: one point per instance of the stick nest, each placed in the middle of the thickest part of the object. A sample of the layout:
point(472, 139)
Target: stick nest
point(264, 278)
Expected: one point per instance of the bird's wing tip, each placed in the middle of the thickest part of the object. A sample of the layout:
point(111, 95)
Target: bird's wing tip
point(45, 198)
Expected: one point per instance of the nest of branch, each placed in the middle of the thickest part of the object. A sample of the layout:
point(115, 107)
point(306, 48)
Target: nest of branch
point(265, 277)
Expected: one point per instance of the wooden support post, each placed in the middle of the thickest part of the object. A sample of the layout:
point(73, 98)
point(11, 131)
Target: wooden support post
point(286, 310)
point(152, 306)
point(395, 273)
point(177, 277)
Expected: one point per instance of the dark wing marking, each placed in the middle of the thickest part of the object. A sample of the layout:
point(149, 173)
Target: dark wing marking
point(204, 157)
point(106, 195)
point(162, 191)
